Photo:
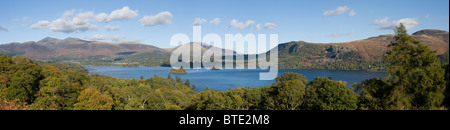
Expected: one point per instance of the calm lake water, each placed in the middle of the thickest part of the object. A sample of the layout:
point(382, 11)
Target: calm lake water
point(229, 78)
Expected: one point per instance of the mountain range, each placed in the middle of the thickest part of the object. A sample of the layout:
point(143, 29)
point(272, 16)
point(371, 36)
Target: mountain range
point(296, 54)
point(363, 54)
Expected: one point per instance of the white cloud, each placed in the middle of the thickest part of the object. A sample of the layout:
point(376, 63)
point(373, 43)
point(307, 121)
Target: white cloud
point(68, 14)
point(198, 21)
point(77, 21)
point(408, 22)
point(352, 13)
point(270, 26)
point(120, 14)
point(385, 24)
point(23, 19)
point(249, 23)
point(81, 18)
point(380, 21)
point(111, 28)
point(339, 10)
point(96, 37)
point(66, 26)
point(257, 26)
point(102, 17)
point(3, 28)
point(335, 34)
point(161, 18)
point(215, 21)
point(26, 19)
point(40, 24)
point(240, 25)
point(116, 39)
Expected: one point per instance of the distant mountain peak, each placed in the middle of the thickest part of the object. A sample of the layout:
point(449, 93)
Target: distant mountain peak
point(431, 32)
point(74, 47)
point(48, 39)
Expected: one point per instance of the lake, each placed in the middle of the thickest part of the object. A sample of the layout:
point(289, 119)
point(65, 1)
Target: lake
point(229, 78)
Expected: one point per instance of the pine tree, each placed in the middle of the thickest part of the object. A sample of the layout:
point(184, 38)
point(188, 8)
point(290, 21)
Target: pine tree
point(415, 77)
point(178, 79)
point(188, 83)
point(194, 88)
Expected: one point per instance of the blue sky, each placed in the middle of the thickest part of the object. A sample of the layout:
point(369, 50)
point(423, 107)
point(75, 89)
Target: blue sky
point(318, 21)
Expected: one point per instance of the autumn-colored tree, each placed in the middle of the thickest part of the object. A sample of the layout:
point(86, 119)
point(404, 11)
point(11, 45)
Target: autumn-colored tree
point(92, 99)
point(3, 85)
point(13, 105)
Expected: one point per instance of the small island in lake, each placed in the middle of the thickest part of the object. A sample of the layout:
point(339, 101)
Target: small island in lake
point(213, 68)
point(178, 71)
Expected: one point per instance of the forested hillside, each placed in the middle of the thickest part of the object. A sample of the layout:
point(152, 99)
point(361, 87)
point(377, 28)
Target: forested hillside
point(58, 86)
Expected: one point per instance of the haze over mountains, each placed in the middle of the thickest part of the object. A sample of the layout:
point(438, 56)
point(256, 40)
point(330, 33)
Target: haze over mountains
point(291, 55)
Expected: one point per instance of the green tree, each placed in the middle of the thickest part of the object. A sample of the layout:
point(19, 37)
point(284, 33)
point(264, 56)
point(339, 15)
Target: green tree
point(235, 99)
point(287, 94)
point(290, 94)
point(55, 94)
point(291, 76)
point(415, 78)
point(178, 79)
point(372, 94)
point(24, 82)
point(208, 100)
point(169, 77)
point(447, 88)
point(5, 63)
point(194, 88)
point(326, 94)
point(187, 83)
point(254, 98)
point(92, 99)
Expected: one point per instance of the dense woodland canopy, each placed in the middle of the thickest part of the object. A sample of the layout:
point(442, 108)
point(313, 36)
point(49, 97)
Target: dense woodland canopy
point(416, 81)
